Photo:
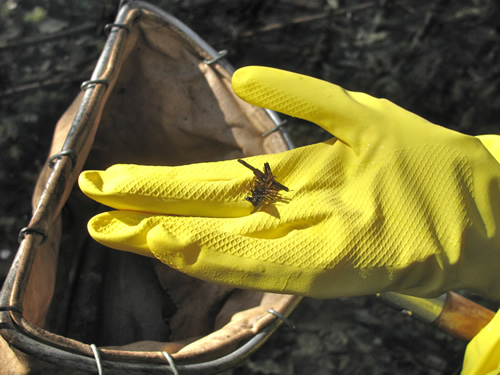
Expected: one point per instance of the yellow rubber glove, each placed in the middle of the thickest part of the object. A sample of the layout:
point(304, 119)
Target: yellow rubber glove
point(393, 203)
point(482, 355)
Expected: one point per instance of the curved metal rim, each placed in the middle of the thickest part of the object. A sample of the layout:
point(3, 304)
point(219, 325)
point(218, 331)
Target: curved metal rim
point(80, 361)
point(37, 347)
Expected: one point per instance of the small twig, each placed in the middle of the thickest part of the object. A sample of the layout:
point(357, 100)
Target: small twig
point(421, 33)
point(86, 27)
point(304, 19)
point(37, 85)
point(75, 75)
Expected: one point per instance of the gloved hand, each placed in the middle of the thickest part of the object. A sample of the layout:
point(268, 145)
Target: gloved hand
point(393, 203)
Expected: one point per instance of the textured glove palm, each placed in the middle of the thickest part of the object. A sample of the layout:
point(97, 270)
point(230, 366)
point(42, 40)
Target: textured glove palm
point(393, 203)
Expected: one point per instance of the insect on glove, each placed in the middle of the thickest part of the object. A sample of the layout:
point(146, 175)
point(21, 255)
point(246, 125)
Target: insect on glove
point(264, 188)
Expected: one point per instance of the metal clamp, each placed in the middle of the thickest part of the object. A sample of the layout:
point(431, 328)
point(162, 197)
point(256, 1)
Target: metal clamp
point(171, 362)
point(97, 357)
point(31, 230)
point(219, 56)
point(72, 154)
point(282, 317)
point(16, 309)
point(110, 26)
point(275, 129)
point(93, 82)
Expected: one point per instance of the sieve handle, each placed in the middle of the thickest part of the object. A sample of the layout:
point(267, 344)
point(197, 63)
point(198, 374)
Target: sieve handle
point(451, 312)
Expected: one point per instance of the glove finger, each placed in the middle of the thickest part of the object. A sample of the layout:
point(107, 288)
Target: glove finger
point(123, 230)
point(252, 252)
point(295, 258)
point(353, 117)
point(206, 189)
point(257, 251)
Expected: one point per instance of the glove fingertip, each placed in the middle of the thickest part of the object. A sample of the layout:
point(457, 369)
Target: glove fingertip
point(91, 183)
point(243, 82)
point(119, 230)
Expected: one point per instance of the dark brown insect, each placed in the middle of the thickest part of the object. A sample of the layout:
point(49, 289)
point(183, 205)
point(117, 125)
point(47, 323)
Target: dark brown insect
point(264, 188)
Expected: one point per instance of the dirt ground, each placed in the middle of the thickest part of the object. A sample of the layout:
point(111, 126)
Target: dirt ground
point(437, 58)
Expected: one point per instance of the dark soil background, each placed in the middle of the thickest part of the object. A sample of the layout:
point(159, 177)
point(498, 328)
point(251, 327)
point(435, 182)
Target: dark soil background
point(437, 58)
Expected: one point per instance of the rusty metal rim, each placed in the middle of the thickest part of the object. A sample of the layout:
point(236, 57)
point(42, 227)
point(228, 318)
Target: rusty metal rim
point(81, 361)
point(14, 328)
